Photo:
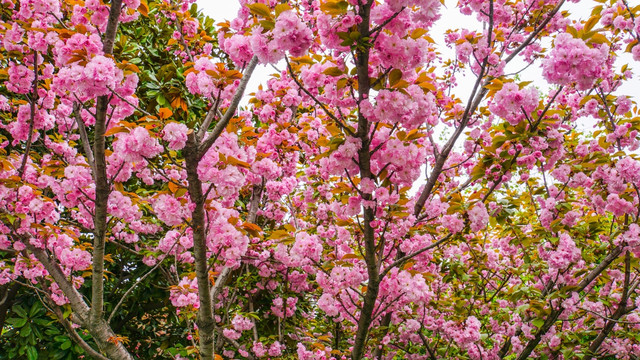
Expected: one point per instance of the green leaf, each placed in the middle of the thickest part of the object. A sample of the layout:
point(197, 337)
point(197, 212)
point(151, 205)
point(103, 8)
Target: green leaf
point(162, 101)
point(538, 323)
point(26, 330)
point(42, 321)
point(333, 7)
point(394, 76)
point(267, 24)
point(418, 33)
point(260, 9)
point(18, 309)
point(32, 353)
point(280, 8)
point(591, 22)
point(17, 322)
point(67, 312)
point(598, 38)
point(35, 309)
point(333, 71)
point(65, 345)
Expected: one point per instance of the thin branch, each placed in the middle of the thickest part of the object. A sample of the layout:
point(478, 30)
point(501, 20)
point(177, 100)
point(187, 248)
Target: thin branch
point(323, 106)
point(408, 257)
point(222, 123)
point(129, 102)
point(33, 101)
point(124, 296)
point(184, 41)
point(387, 21)
point(86, 145)
point(474, 101)
point(535, 33)
point(553, 316)
point(208, 119)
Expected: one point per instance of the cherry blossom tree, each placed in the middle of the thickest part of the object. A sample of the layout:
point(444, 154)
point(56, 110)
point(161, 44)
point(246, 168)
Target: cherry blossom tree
point(382, 195)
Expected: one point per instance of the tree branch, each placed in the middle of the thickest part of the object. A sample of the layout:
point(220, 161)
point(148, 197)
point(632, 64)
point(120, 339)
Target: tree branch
point(86, 144)
point(102, 185)
point(32, 107)
point(222, 123)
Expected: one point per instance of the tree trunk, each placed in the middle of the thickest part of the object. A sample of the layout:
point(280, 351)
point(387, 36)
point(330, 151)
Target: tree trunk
point(206, 326)
point(364, 163)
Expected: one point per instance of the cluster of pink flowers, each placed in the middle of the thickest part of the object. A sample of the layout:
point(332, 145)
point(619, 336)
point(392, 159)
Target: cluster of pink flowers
point(136, 145)
point(201, 82)
point(13, 38)
point(121, 206)
point(94, 11)
point(406, 14)
point(98, 77)
point(185, 293)
point(241, 323)
point(20, 79)
point(289, 34)
point(46, 10)
point(402, 158)
point(407, 288)
point(260, 350)
point(401, 53)
point(318, 354)
point(453, 223)
point(411, 109)
point(464, 335)
point(75, 259)
point(238, 47)
point(175, 134)
point(632, 238)
point(340, 278)
point(619, 206)
point(565, 254)
point(572, 61)
point(306, 247)
point(66, 51)
point(282, 308)
point(176, 243)
point(341, 159)
point(478, 217)
point(329, 305)
point(224, 237)
point(190, 27)
point(228, 178)
point(266, 168)
point(170, 211)
point(629, 169)
point(514, 104)
point(329, 26)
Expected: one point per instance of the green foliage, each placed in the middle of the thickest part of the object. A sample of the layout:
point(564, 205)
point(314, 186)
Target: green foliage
point(32, 332)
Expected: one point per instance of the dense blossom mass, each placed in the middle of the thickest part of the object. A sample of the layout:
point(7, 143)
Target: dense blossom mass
point(380, 196)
